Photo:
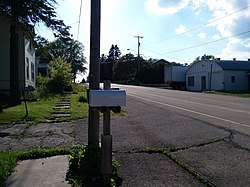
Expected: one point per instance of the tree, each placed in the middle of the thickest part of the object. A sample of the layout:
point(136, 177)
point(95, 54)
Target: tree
point(24, 15)
point(204, 57)
point(107, 63)
point(125, 69)
point(70, 49)
point(61, 75)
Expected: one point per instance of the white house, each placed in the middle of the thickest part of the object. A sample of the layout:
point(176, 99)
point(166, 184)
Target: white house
point(220, 75)
point(26, 57)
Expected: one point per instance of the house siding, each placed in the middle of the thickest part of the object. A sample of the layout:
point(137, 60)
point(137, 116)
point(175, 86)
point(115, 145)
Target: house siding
point(221, 79)
point(4, 55)
point(25, 51)
point(241, 81)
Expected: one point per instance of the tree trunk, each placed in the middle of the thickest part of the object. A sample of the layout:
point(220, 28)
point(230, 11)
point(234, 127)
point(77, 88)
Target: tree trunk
point(15, 95)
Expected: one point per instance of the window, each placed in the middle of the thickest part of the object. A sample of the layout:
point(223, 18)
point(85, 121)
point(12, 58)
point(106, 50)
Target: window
point(191, 81)
point(27, 68)
point(32, 71)
point(232, 79)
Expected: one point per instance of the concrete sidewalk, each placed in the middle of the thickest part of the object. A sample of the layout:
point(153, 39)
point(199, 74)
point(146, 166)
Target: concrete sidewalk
point(44, 172)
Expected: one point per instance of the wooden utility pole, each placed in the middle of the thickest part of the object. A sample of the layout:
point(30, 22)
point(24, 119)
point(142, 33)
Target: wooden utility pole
point(94, 67)
point(138, 56)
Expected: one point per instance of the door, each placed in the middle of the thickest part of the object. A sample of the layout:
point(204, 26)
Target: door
point(203, 83)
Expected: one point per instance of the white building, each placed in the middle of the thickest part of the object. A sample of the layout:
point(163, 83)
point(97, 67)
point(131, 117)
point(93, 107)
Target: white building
point(220, 75)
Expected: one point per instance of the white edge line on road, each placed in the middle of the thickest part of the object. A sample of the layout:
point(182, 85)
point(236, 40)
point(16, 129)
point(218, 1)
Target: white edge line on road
point(192, 111)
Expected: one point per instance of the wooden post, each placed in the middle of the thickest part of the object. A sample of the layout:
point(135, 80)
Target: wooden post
point(106, 140)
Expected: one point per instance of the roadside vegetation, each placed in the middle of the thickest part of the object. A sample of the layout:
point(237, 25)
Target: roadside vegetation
point(231, 93)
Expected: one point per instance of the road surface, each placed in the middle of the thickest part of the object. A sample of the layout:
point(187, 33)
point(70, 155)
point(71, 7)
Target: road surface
point(232, 113)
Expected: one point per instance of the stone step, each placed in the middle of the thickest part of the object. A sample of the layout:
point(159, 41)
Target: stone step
point(61, 107)
point(60, 115)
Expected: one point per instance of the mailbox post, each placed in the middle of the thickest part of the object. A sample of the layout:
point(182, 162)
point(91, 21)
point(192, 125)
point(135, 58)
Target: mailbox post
point(106, 100)
point(106, 141)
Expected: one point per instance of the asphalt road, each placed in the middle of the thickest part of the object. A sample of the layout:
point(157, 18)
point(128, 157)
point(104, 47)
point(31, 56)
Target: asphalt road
point(228, 112)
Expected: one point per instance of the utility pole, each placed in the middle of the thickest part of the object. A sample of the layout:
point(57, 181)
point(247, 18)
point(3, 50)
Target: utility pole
point(94, 67)
point(138, 56)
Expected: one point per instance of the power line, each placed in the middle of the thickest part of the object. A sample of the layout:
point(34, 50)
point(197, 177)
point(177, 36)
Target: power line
point(79, 20)
point(183, 49)
point(182, 60)
point(200, 26)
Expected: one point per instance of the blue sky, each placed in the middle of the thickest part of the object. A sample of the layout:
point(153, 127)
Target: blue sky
point(168, 27)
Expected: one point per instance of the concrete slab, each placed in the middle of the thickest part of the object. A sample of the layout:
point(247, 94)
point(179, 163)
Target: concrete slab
point(60, 115)
point(222, 163)
point(61, 107)
point(45, 172)
point(142, 169)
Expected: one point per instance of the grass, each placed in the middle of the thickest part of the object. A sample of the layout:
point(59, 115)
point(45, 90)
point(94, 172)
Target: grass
point(78, 110)
point(9, 159)
point(230, 93)
point(77, 159)
point(38, 111)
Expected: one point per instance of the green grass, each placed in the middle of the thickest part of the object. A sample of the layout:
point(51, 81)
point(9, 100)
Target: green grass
point(9, 159)
point(231, 93)
point(77, 158)
point(38, 111)
point(78, 110)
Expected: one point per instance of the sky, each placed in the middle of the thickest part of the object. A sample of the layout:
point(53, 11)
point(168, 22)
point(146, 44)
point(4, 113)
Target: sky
point(174, 30)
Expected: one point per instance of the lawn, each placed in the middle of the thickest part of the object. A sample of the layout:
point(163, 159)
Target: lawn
point(38, 111)
point(41, 110)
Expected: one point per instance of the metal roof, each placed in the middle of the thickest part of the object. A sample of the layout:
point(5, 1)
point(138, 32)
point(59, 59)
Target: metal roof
point(233, 64)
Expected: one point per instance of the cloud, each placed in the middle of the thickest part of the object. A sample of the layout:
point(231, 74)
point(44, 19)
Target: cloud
point(232, 19)
point(236, 48)
point(181, 29)
point(202, 35)
point(164, 7)
point(216, 37)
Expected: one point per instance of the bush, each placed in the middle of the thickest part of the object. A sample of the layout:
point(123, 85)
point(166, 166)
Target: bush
point(61, 76)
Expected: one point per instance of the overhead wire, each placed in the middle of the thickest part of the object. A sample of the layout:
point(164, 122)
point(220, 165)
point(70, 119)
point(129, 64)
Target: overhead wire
point(165, 55)
point(79, 20)
point(186, 48)
point(200, 26)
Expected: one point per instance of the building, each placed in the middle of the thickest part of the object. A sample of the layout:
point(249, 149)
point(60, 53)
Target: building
point(26, 57)
point(219, 75)
point(174, 75)
point(42, 67)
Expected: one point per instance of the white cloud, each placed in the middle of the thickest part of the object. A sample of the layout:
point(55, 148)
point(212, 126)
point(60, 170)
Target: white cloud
point(181, 29)
point(164, 7)
point(202, 35)
point(236, 48)
point(216, 37)
point(228, 18)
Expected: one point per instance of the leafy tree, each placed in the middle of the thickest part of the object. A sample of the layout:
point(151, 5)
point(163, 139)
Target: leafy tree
point(24, 15)
point(71, 50)
point(204, 57)
point(61, 75)
point(125, 68)
point(107, 63)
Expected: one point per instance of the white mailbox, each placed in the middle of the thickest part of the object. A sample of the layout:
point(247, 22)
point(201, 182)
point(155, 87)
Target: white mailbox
point(107, 98)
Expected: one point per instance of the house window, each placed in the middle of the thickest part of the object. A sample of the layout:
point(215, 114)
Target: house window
point(32, 71)
point(27, 68)
point(232, 79)
point(191, 81)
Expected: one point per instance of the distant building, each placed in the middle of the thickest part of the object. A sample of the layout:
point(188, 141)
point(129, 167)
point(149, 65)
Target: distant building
point(219, 75)
point(26, 57)
point(42, 66)
point(174, 75)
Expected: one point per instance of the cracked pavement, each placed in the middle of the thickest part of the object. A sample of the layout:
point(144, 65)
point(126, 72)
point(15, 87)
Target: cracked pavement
point(220, 156)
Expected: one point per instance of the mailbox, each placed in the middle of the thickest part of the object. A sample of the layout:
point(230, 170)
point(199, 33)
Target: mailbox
point(107, 98)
